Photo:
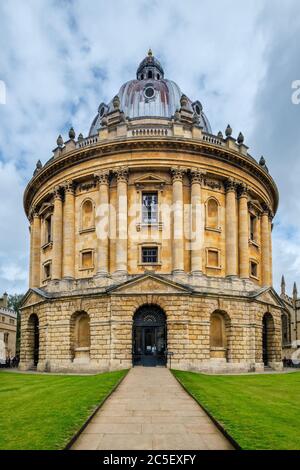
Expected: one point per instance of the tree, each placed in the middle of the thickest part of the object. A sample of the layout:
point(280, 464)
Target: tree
point(14, 302)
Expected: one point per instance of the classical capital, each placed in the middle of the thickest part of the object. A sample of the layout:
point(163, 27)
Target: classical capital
point(266, 209)
point(57, 192)
point(197, 176)
point(69, 186)
point(102, 177)
point(230, 185)
point(177, 173)
point(242, 190)
point(33, 213)
point(122, 175)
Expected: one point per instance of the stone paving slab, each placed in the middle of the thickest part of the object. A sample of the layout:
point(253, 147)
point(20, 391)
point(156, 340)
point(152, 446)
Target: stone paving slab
point(151, 411)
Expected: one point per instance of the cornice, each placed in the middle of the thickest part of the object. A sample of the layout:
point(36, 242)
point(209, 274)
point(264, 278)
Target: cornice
point(55, 165)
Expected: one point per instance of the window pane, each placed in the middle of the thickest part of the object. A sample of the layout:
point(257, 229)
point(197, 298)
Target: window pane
point(150, 208)
point(149, 255)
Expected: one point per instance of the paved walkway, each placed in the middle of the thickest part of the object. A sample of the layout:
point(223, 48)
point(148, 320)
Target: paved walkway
point(150, 410)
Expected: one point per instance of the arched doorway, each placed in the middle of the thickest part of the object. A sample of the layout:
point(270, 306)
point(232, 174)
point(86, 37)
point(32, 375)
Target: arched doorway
point(34, 340)
point(268, 338)
point(149, 336)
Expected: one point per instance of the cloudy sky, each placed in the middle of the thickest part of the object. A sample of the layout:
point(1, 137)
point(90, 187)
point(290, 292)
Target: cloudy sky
point(60, 58)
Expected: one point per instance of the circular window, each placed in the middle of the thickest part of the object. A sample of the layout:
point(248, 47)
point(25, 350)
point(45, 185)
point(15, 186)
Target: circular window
point(102, 111)
point(149, 92)
point(198, 109)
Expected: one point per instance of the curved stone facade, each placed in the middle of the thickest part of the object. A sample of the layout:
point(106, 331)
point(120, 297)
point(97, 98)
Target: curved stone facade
point(151, 212)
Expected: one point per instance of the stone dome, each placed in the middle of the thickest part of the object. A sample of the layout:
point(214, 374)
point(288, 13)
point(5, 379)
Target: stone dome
point(151, 96)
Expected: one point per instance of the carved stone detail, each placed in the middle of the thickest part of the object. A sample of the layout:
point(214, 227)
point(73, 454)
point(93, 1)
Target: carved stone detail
point(230, 185)
point(177, 173)
point(102, 177)
point(122, 175)
point(197, 176)
point(242, 190)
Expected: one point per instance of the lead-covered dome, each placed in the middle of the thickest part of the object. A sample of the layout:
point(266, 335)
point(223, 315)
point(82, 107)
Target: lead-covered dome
point(151, 96)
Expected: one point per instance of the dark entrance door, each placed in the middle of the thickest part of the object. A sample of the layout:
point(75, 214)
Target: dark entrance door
point(36, 344)
point(149, 336)
point(265, 341)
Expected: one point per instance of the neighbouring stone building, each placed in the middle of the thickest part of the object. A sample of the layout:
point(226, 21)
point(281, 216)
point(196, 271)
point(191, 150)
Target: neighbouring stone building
point(290, 319)
point(152, 234)
point(8, 330)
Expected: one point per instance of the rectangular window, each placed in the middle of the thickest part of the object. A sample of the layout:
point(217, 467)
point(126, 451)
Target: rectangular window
point(47, 270)
point(150, 255)
point(253, 269)
point(3, 319)
point(87, 260)
point(150, 208)
point(213, 259)
point(253, 228)
point(5, 338)
point(12, 322)
point(48, 229)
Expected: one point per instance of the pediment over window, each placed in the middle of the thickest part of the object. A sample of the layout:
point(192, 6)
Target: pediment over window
point(150, 284)
point(46, 208)
point(150, 179)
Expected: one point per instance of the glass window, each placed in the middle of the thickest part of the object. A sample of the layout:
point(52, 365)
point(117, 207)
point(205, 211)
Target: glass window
point(48, 229)
point(149, 254)
point(253, 269)
point(253, 227)
point(47, 270)
point(150, 208)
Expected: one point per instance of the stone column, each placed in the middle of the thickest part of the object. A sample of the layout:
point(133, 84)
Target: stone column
point(69, 232)
point(57, 235)
point(231, 228)
point(178, 235)
point(265, 247)
point(31, 252)
point(271, 252)
point(243, 232)
point(122, 237)
point(36, 250)
point(196, 222)
point(102, 224)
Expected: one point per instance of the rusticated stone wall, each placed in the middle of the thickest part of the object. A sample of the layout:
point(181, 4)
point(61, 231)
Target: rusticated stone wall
point(188, 332)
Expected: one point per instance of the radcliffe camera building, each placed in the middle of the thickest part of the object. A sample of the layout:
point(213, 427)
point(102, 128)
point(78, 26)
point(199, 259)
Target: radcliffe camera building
point(151, 234)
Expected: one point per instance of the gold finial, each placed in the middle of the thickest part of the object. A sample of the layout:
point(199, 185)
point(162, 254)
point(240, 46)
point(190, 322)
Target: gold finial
point(150, 52)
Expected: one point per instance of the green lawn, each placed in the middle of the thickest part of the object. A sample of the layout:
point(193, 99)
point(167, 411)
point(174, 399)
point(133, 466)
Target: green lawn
point(258, 411)
point(45, 411)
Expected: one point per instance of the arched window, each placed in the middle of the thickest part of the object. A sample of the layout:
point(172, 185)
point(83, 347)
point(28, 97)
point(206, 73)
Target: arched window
point(80, 336)
point(220, 336)
point(217, 331)
point(33, 340)
point(87, 215)
point(83, 331)
point(212, 214)
point(269, 350)
point(285, 330)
